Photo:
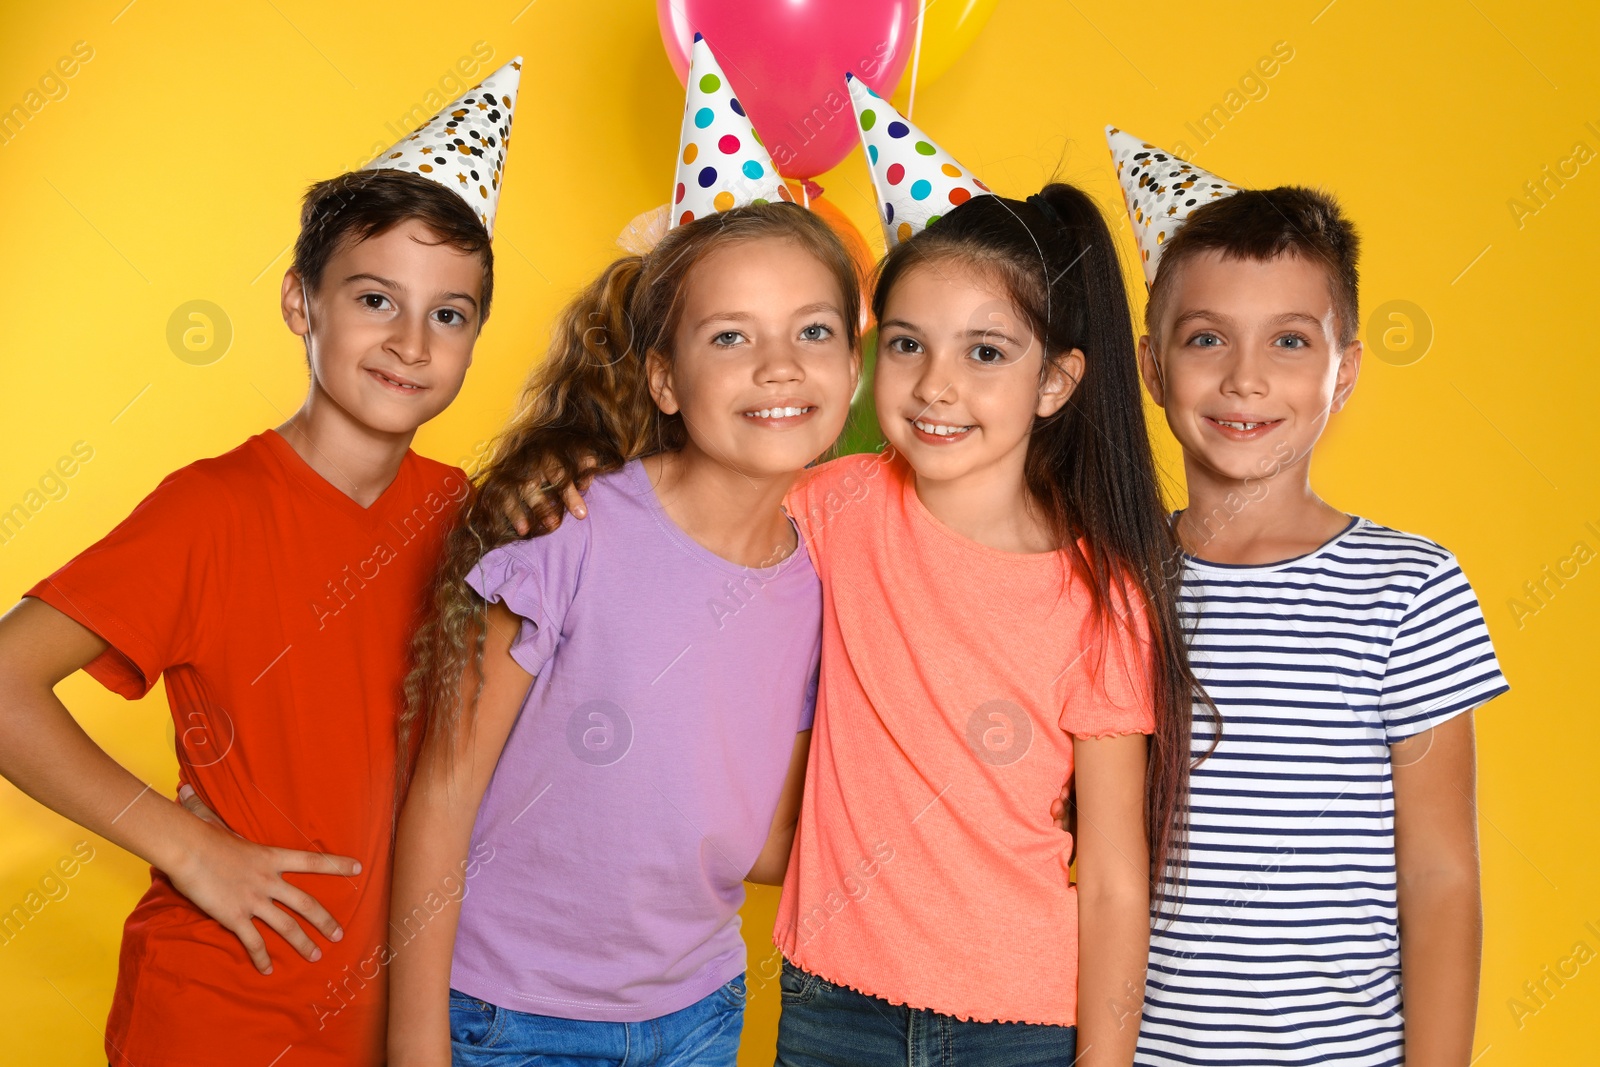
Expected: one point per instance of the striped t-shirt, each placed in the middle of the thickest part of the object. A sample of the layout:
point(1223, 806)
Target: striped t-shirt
point(1286, 948)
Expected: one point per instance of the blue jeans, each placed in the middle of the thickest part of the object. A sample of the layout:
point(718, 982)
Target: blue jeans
point(825, 1025)
point(705, 1034)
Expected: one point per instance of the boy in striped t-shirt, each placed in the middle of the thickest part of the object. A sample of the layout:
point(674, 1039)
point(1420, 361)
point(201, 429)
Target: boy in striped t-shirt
point(1330, 911)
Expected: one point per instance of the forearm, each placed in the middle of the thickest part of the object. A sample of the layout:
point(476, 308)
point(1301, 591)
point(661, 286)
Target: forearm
point(1441, 914)
point(1113, 898)
point(431, 845)
point(47, 755)
point(1441, 947)
point(1113, 949)
point(773, 863)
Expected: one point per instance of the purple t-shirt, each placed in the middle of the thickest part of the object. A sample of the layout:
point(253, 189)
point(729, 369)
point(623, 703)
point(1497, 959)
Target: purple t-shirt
point(640, 781)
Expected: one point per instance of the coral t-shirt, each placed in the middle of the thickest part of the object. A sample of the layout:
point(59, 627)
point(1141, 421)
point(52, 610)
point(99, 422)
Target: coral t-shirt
point(279, 611)
point(926, 868)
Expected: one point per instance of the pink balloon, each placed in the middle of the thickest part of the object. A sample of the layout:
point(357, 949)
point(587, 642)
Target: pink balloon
point(787, 59)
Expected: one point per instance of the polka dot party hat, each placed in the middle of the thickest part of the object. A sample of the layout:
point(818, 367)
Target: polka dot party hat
point(463, 147)
point(916, 180)
point(1161, 191)
point(721, 161)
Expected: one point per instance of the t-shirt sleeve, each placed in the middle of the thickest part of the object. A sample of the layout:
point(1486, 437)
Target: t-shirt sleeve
point(148, 585)
point(1442, 661)
point(537, 578)
point(1108, 683)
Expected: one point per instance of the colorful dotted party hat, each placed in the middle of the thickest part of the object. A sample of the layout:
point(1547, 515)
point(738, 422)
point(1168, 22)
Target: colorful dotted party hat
point(916, 180)
point(463, 147)
point(1161, 191)
point(721, 161)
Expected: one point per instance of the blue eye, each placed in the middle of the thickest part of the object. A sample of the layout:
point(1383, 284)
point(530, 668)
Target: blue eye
point(816, 332)
point(1205, 340)
point(727, 338)
point(1294, 342)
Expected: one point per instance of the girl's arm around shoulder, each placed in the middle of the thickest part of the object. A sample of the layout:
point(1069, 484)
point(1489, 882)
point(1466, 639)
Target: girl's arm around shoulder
point(1113, 896)
point(432, 843)
point(1441, 916)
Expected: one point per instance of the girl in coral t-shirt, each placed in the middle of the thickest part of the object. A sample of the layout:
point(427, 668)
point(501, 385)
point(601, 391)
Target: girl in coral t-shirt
point(997, 620)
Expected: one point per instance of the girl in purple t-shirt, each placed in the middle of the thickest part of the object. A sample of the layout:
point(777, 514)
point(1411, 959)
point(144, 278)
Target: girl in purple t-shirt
point(610, 722)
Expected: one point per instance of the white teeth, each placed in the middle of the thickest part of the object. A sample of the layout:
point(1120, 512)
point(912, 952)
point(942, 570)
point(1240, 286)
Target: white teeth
point(939, 429)
point(1240, 425)
point(776, 413)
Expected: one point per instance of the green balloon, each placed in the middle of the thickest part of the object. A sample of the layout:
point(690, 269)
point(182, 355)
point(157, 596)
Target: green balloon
point(861, 433)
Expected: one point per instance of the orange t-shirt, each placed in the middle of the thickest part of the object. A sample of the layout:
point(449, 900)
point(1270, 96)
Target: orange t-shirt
point(926, 867)
point(279, 611)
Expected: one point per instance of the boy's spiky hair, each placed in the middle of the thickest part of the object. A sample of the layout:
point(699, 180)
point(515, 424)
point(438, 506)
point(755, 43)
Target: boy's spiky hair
point(1262, 224)
point(366, 203)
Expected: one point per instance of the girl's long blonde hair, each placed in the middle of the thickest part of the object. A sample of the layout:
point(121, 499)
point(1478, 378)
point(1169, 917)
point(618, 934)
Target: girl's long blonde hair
point(588, 404)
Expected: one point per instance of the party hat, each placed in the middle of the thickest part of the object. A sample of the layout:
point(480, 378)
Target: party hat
point(916, 180)
point(1161, 191)
point(721, 161)
point(463, 147)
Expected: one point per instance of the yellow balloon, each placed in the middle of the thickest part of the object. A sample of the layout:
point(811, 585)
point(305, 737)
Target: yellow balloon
point(948, 29)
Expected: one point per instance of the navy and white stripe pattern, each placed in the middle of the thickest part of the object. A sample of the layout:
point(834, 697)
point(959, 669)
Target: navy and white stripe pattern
point(1286, 946)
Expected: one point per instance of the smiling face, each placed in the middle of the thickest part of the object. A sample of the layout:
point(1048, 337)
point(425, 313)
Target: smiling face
point(1247, 364)
point(761, 369)
point(960, 376)
point(390, 329)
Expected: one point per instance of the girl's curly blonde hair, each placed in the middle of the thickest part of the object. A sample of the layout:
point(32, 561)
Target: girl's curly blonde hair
point(586, 408)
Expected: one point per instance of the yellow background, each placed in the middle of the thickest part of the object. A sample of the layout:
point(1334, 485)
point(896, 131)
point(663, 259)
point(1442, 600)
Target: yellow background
point(171, 168)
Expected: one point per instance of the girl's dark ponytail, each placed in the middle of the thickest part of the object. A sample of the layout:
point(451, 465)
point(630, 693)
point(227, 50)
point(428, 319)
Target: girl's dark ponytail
point(1090, 465)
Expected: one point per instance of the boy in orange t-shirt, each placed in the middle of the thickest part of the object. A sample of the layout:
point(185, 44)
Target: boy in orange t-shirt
point(275, 588)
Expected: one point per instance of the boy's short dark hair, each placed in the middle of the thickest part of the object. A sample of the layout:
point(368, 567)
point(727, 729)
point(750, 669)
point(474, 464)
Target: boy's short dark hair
point(1262, 224)
point(365, 203)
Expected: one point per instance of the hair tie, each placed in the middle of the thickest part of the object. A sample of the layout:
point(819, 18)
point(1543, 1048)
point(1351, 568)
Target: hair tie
point(1042, 206)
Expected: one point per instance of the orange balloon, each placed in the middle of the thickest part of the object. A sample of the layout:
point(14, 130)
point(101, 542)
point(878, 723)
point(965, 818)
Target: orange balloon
point(860, 252)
